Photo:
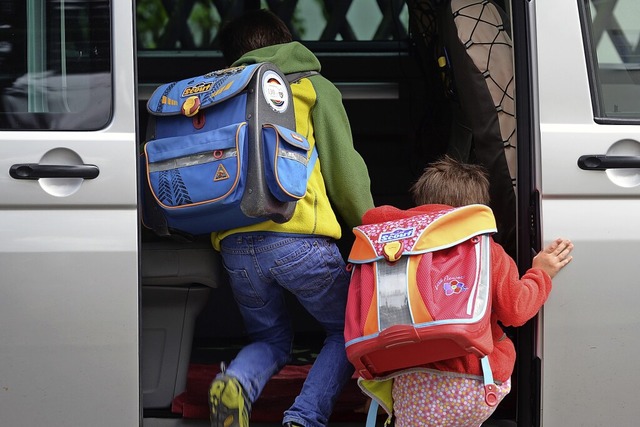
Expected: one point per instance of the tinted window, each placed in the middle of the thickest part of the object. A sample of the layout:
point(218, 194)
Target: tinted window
point(55, 64)
point(614, 51)
point(193, 25)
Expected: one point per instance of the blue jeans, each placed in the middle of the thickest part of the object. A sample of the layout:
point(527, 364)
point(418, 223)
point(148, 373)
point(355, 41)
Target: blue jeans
point(261, 267)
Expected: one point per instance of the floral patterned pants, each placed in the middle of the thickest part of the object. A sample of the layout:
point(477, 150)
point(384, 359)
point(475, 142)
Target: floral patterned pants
point(425, 399)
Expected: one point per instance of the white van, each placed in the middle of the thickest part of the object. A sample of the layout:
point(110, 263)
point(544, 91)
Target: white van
point(102, 323)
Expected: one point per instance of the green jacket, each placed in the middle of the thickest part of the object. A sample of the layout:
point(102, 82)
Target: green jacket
point(340, 179)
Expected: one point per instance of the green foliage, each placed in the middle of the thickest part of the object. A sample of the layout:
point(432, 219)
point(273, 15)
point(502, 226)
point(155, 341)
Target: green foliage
point(151, 18)
point(204, 23)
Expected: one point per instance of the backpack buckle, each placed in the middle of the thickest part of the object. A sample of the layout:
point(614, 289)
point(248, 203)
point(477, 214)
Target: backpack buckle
point(392, 251)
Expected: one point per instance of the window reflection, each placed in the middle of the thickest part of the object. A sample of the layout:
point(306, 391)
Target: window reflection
point(614, 27)
point(55, 64)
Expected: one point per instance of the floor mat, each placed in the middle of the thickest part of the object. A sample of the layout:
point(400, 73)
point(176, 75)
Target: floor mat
point(277, 396)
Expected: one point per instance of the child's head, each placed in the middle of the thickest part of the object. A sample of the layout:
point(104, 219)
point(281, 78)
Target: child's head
point(254, 29)
point(450, 182)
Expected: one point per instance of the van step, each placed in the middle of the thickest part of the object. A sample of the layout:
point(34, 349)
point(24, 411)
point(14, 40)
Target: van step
point(277, 396)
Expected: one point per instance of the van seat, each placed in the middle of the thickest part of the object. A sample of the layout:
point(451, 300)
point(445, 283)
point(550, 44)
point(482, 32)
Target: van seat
point(176, 278)
point(170, 262)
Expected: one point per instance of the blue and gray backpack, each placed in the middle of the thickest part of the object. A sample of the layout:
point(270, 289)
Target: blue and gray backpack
point(222, 152)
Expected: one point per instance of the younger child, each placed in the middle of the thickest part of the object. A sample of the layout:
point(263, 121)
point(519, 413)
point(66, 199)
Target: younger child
point(450, 392)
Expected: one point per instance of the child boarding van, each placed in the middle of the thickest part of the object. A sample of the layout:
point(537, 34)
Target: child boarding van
point(104, 323)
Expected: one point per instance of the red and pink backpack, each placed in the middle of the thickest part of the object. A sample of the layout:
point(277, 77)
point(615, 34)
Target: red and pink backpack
point(420, 291)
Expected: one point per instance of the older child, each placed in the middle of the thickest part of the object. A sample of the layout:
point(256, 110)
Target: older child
point(301, 256)
point(450, 392)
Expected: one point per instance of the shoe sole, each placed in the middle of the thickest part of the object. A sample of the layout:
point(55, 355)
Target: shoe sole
point(223, 412)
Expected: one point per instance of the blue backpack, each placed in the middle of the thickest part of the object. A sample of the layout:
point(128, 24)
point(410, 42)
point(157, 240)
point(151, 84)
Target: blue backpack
point(222, 152)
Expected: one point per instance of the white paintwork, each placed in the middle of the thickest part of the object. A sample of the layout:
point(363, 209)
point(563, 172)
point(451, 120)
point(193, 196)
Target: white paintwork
point(589, 325)
point(69, 270)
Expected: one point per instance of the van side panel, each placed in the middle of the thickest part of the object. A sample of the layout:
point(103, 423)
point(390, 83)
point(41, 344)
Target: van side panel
point(589, 324)
point(69, 292)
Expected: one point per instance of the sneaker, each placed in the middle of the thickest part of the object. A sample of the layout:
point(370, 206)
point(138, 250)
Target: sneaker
point(228, 405)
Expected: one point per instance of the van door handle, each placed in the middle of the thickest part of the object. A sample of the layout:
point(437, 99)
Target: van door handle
point(37, 171)
point(600, 162)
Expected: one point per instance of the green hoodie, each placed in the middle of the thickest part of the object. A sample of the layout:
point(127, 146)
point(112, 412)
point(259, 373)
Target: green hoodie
point(340, 179)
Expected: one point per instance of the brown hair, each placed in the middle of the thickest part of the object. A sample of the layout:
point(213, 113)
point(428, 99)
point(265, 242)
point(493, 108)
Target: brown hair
point(450, 182)
point(252, 30)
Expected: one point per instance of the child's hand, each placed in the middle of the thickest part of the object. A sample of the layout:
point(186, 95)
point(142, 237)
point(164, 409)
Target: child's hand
point(554, 257)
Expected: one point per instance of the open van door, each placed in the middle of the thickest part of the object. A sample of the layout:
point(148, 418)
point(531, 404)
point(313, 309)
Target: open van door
point(585, 55)
point(68, 214)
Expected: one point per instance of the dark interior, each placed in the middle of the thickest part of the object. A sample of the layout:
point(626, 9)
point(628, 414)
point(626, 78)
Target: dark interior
point(401, 117)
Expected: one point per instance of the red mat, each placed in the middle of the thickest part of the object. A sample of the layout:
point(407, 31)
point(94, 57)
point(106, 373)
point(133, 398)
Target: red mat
point(277, 396)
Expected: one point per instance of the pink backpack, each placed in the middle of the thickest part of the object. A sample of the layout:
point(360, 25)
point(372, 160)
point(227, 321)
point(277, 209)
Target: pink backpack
point(420, 292)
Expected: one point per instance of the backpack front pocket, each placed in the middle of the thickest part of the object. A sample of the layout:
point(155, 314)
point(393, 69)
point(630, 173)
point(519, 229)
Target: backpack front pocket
point(204, 168)
point(287, 162)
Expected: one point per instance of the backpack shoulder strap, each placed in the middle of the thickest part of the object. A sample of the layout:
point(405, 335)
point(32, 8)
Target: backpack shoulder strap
point(372, 414)
point(294, 77)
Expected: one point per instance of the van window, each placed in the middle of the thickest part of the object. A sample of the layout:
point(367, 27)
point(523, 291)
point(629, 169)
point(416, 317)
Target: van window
point(613, 50)
point(194, 25)
point(55, 64)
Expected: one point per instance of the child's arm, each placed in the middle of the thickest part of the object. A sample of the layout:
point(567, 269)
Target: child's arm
point(554, 257)
point(517, 299)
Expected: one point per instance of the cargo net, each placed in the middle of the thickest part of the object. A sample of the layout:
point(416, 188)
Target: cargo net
point(422, 18)
point(482, 31)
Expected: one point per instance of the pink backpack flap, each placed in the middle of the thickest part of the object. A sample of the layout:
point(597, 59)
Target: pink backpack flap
point(420, 291)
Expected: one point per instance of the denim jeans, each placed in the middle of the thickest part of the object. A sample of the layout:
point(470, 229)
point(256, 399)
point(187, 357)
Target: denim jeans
point(261, 267)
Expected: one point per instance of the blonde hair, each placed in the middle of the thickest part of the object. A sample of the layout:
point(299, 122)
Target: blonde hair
point(450, 182)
